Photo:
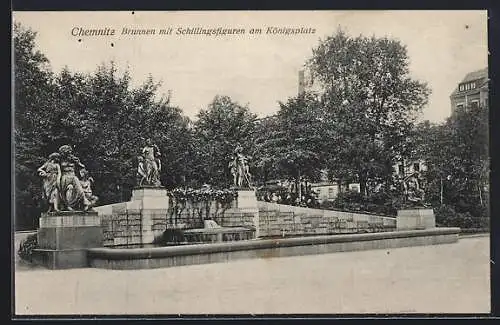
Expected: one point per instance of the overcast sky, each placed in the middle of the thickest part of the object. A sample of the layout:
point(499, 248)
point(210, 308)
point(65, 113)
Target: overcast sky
point(259, 70)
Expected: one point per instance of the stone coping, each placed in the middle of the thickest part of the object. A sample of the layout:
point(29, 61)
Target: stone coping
point(217, 230)
point(253, 244)
point(149, 187)
point(271, 206)
point(243, 189)
point(68, 213)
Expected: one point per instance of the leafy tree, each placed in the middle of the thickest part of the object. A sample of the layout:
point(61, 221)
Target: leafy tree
point(217, 131)
point(33, 103)
point(101, 115)
point(370, 102)
point(292, 148)
point(265, 161)
point(108, 121)
point(456, 153)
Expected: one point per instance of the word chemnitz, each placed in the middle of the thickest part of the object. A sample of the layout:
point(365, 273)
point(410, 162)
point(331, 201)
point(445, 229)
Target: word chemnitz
point(219, 31)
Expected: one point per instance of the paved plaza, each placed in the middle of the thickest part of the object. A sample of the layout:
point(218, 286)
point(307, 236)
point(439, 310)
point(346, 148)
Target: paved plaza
point(449, 278)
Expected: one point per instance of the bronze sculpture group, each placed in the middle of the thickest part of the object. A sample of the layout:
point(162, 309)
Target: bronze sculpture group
point(413, 192)
point(240, 169)
point(67, 185)
point(62, 188)
point(149, 165)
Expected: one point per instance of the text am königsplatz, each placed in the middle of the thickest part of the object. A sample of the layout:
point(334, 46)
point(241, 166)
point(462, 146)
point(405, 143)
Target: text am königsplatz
point(216, 31)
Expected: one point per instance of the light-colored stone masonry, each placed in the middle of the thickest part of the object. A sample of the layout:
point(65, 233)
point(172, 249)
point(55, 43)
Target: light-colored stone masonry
point(124, 227)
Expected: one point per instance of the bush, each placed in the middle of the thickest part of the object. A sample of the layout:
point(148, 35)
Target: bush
point(170, 237)
point(26, 248)
point(448, 216)
point(378, 203)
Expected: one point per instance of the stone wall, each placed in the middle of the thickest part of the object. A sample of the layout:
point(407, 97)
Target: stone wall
point(121, 229)
point(125, 228)
point(284, 220)
point(122, 225)
point(234, 217)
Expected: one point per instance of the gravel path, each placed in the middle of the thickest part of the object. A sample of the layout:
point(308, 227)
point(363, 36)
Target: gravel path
point(449, 278)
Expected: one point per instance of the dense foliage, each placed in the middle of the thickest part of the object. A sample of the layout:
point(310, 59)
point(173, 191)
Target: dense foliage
point(291, 147)
point(370, 104)
point(101, 115)
point(458, 166)
point(25, 250)
point(200, 204)
point(216, 132)
point(361, 122)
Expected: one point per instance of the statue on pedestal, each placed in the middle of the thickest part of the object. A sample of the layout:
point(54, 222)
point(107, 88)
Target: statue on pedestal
point(62, 189)
point(412, 190)
point(240, 169)
point(50, 171)
point(86, 181)
point(149, 166)
point(141, 171)
point(72, 193)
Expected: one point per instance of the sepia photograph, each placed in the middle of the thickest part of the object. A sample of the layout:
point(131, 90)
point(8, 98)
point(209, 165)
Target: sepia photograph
point(250, 163)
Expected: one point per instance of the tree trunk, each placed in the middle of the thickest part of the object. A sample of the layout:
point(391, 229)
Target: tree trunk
point(441, 191)
point(480, 195)
point(300, 188)
point(362, 185)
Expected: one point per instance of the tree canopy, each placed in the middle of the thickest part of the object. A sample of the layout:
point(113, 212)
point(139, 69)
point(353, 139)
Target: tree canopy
point(292, 144)
point(100, 114)
point(370, 102)
point(217, 131)
point(360, 124)
point(457, 156)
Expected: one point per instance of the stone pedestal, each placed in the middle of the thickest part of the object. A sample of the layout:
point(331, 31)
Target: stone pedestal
point(63, 238)
point(144, 213)
point(153, 202)
point(415, 219)
point(247, 204)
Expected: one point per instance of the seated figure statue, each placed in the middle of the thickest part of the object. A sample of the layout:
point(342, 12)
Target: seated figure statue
point(86, 181)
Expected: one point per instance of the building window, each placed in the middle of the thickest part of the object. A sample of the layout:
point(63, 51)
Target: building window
point(473, 85)
point(461, 88)
point(416, 167)
point(401, 170)
point(474, 104)
point(331, 193)
point(354, 187)
point(460, 106)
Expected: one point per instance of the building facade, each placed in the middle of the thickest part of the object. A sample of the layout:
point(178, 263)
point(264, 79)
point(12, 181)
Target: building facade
point(471, 92)
point(307, 83)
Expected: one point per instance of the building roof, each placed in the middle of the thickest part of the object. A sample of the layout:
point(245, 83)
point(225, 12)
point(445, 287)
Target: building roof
point(481, 75)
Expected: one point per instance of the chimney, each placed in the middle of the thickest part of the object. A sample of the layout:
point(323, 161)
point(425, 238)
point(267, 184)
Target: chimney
point(301, 82)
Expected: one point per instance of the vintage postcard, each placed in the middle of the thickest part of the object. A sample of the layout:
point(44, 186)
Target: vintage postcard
point(251, 163)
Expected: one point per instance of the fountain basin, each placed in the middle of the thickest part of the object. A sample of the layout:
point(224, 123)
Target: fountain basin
point(156, 257)
point(222, 234)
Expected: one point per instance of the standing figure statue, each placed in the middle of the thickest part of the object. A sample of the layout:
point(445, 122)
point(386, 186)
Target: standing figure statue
point(151, 164)
point(240, 169)
point(141, 171)
point(71, 190)
point(51, 174)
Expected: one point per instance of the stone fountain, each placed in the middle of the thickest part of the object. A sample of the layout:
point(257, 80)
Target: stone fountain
point(70, 226)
